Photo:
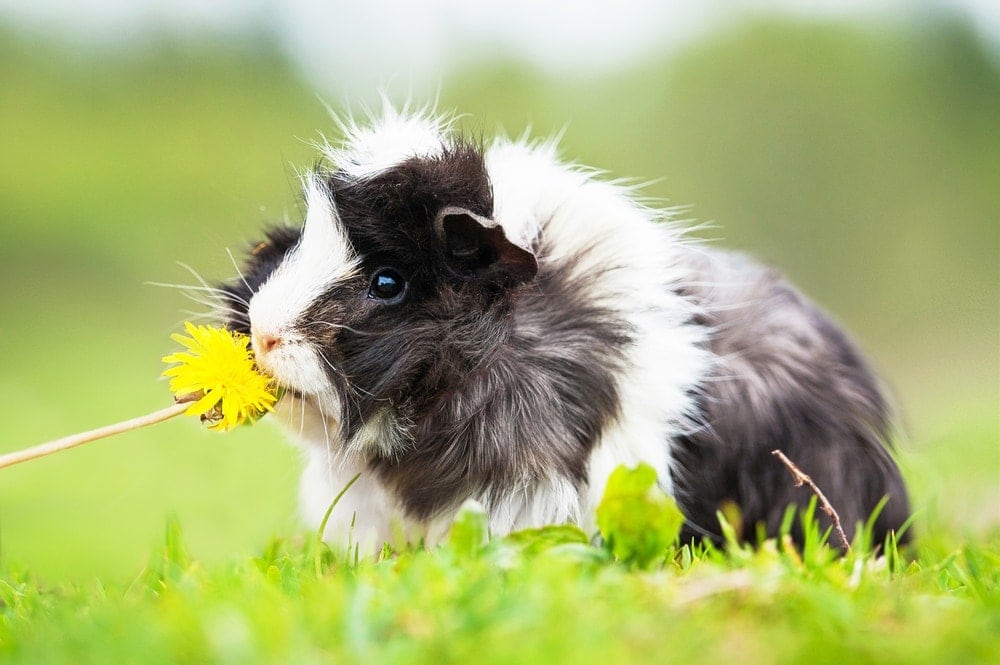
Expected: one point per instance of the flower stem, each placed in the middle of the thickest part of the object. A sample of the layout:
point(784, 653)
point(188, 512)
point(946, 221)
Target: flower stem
point(43, 449)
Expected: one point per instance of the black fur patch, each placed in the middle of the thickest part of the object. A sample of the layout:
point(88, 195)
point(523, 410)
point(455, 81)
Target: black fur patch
point(788, 379)
point(511, 394)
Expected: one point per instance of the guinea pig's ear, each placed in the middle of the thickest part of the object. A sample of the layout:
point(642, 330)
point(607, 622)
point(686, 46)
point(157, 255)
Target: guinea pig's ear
point(478, 246)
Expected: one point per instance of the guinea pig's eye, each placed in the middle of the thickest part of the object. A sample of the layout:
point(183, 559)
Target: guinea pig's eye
point(388, 286)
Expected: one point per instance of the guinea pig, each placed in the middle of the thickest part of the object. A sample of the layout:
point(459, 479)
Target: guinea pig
point(459, 319)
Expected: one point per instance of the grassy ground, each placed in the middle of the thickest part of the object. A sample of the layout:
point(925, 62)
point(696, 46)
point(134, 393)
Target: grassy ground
point(534, 597)
point(862, 163)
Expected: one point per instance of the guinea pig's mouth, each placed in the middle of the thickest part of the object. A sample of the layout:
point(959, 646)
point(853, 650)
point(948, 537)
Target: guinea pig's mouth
point(284, 389)
point(280, 386)
point(295, 368)
point(287, 391)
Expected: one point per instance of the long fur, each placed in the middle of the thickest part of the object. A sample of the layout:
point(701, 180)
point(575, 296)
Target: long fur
point(555, 330)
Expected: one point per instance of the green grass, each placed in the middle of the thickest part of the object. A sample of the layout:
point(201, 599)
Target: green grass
point(534, 597)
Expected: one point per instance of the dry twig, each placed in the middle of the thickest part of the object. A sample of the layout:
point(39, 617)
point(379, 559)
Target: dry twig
point(801, 479)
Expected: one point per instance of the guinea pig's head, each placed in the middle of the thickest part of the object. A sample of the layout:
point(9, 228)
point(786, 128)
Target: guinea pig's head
point(398, 283)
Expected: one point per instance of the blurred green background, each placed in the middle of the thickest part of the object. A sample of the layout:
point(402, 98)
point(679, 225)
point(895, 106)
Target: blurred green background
point(863, 160)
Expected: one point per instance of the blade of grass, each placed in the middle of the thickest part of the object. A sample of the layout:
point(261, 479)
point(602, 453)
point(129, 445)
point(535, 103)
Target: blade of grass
point(318, 553)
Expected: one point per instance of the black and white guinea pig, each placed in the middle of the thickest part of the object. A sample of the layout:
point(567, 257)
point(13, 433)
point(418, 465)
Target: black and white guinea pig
point(457, 320)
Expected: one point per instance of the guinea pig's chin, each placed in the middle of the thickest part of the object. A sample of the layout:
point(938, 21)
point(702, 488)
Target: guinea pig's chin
point(296, 368)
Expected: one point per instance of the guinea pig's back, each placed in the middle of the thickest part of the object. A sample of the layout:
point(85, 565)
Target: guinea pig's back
point(786, 377)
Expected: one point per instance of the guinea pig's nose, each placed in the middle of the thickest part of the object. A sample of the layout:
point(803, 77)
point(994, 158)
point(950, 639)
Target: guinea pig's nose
point(266, 343)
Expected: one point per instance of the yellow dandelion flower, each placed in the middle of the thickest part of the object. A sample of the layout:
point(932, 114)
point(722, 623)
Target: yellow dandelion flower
point(218, 376)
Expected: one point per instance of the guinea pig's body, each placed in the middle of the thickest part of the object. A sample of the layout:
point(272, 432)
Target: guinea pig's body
point(455, 321)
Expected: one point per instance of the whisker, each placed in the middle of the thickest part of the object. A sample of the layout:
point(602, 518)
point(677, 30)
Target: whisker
point(220, 303)
point(302, 416)
point(207, 301)
point(193, 316)
point(356, 389)
point(326, 435)
point(338, 326)
point(214, 291)
point(194, 273)
point(238, 271)
point(328, 363)
point(212, 305)
point(191, 287)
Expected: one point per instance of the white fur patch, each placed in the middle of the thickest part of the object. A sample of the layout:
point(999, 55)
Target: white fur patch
point(322, 257)
point(365, 517)
point(385, 141)
point(636, 255)
point(383, 433)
